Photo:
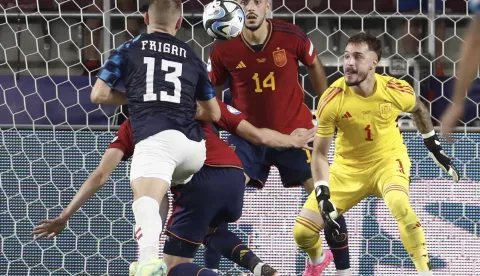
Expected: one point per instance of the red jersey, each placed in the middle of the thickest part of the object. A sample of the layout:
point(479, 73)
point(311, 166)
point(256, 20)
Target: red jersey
point(218, 152)
point(264, 83)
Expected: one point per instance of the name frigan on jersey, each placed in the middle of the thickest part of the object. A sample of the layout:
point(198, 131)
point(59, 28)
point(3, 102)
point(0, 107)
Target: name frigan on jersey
point(164, 48)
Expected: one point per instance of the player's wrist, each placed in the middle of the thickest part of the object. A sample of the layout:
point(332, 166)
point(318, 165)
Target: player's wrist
point(428, 134)
point(322, 191)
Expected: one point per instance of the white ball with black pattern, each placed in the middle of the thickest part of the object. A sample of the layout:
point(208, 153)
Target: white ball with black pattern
point(223, 19)
point(474, 6)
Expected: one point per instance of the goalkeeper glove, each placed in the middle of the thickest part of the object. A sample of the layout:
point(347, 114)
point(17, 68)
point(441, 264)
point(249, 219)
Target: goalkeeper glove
point(327, 208)
point(438, 155)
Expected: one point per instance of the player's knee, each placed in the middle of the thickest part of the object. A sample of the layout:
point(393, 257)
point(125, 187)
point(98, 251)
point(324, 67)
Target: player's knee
point(398, 203)
point(305, 233)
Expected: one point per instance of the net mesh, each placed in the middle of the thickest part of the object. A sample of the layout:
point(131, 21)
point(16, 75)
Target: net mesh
point(52, 137)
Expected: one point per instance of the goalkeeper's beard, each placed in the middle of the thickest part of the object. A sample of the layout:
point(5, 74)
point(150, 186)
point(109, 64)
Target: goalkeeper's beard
point(358, 82)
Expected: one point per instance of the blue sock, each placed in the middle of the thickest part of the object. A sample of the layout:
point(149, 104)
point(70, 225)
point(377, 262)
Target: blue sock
point(230, 246)
point(211, 257)
point(339, 245)
point(189, 269)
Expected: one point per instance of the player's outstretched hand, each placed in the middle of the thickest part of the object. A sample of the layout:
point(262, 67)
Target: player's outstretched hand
point(440, 157)
point(302, 137)
point(49, 228)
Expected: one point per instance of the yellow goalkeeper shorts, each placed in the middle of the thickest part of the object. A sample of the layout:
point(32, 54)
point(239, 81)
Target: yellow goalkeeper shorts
point(349, 185)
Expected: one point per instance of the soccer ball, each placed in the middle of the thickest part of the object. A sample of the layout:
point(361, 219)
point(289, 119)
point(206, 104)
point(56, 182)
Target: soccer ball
point(223, 19)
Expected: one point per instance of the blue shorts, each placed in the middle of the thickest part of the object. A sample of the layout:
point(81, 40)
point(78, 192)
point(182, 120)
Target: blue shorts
point(213, 196)
point(293, 164)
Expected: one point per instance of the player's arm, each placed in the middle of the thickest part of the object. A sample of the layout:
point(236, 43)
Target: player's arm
point(272, 138)
point(103, 94)
point(317, 76)
point(206, 95)
point(51, 227)
point(326, 117)
point(467, 70)
point(110, 75)
point(423, 121)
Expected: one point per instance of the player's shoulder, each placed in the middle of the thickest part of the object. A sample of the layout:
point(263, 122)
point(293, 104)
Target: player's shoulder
point(338, 87)
point(287, 29)
point(394, 85)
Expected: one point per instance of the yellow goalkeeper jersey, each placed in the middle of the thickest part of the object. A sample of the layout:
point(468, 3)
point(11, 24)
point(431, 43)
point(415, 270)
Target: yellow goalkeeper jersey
point(366, 128)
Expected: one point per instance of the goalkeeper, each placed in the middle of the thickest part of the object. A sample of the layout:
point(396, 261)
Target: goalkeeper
point(370, 157)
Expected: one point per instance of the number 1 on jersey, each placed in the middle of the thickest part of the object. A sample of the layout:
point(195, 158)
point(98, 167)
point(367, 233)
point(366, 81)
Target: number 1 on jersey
point(369, 133)
point(172, 77)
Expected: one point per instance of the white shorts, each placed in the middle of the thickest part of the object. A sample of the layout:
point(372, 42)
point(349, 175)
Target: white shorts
point(168, 155)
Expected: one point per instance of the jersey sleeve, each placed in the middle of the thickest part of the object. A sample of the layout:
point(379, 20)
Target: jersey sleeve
point(327, 113)
point(305, 49)
point(124, 140)
point(403, 94)
point(230, 118)
point(216, 69)
point(113, 69)
point(205, 90)
point(474, 6)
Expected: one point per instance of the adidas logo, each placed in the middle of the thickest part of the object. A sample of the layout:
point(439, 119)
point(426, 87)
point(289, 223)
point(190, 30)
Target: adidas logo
point(417, 225)
point(241, 65)
point(347, 115)
point(242, 253)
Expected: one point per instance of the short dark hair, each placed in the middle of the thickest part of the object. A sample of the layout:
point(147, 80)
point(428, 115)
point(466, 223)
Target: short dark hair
point(374, 44)
point(164, 10)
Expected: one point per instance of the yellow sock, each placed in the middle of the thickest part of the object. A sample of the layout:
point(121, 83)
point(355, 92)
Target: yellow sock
point(307, 236)
point(411, 231)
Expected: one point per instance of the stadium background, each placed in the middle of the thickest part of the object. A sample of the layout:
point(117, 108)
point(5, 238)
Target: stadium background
point(52, 137)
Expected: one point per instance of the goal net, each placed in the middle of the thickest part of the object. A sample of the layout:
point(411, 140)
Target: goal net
point(52, 137)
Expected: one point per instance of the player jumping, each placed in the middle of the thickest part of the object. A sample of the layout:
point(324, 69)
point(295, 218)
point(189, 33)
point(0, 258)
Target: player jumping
point(164, 78)
point(263, 80)
point(219, 156)
point(370, 157)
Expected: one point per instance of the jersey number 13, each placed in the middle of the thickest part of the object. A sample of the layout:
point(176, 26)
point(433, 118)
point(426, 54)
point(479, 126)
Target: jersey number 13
point(172, 77)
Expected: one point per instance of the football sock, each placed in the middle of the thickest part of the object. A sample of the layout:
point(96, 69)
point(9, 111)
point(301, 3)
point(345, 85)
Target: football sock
point(189, 269)
point(211, 257)
point(148, 226)
point(344, 272)
point(338, 244)
point(307, 237)
point(411, 231)
point(230, 246)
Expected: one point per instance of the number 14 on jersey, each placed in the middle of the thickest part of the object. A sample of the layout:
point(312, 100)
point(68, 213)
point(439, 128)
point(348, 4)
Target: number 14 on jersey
point(267, 82)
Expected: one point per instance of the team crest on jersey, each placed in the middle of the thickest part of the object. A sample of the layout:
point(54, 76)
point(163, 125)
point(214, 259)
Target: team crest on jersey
point(280, 57)
point(386, 110)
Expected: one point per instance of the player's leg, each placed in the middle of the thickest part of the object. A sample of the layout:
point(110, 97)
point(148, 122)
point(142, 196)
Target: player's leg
point(346, 191)
point(226, 242)
point(153, 165)
point(393, 186)
point(294, 168)
point(195, 205)
point(189, 269)
point(211, 257)
point(338, 244)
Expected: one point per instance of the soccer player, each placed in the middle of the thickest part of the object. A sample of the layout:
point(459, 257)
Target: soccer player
point(370, 157)
point(467, 71)
point(219, 156)
point(164, 79)
point(262, 67)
